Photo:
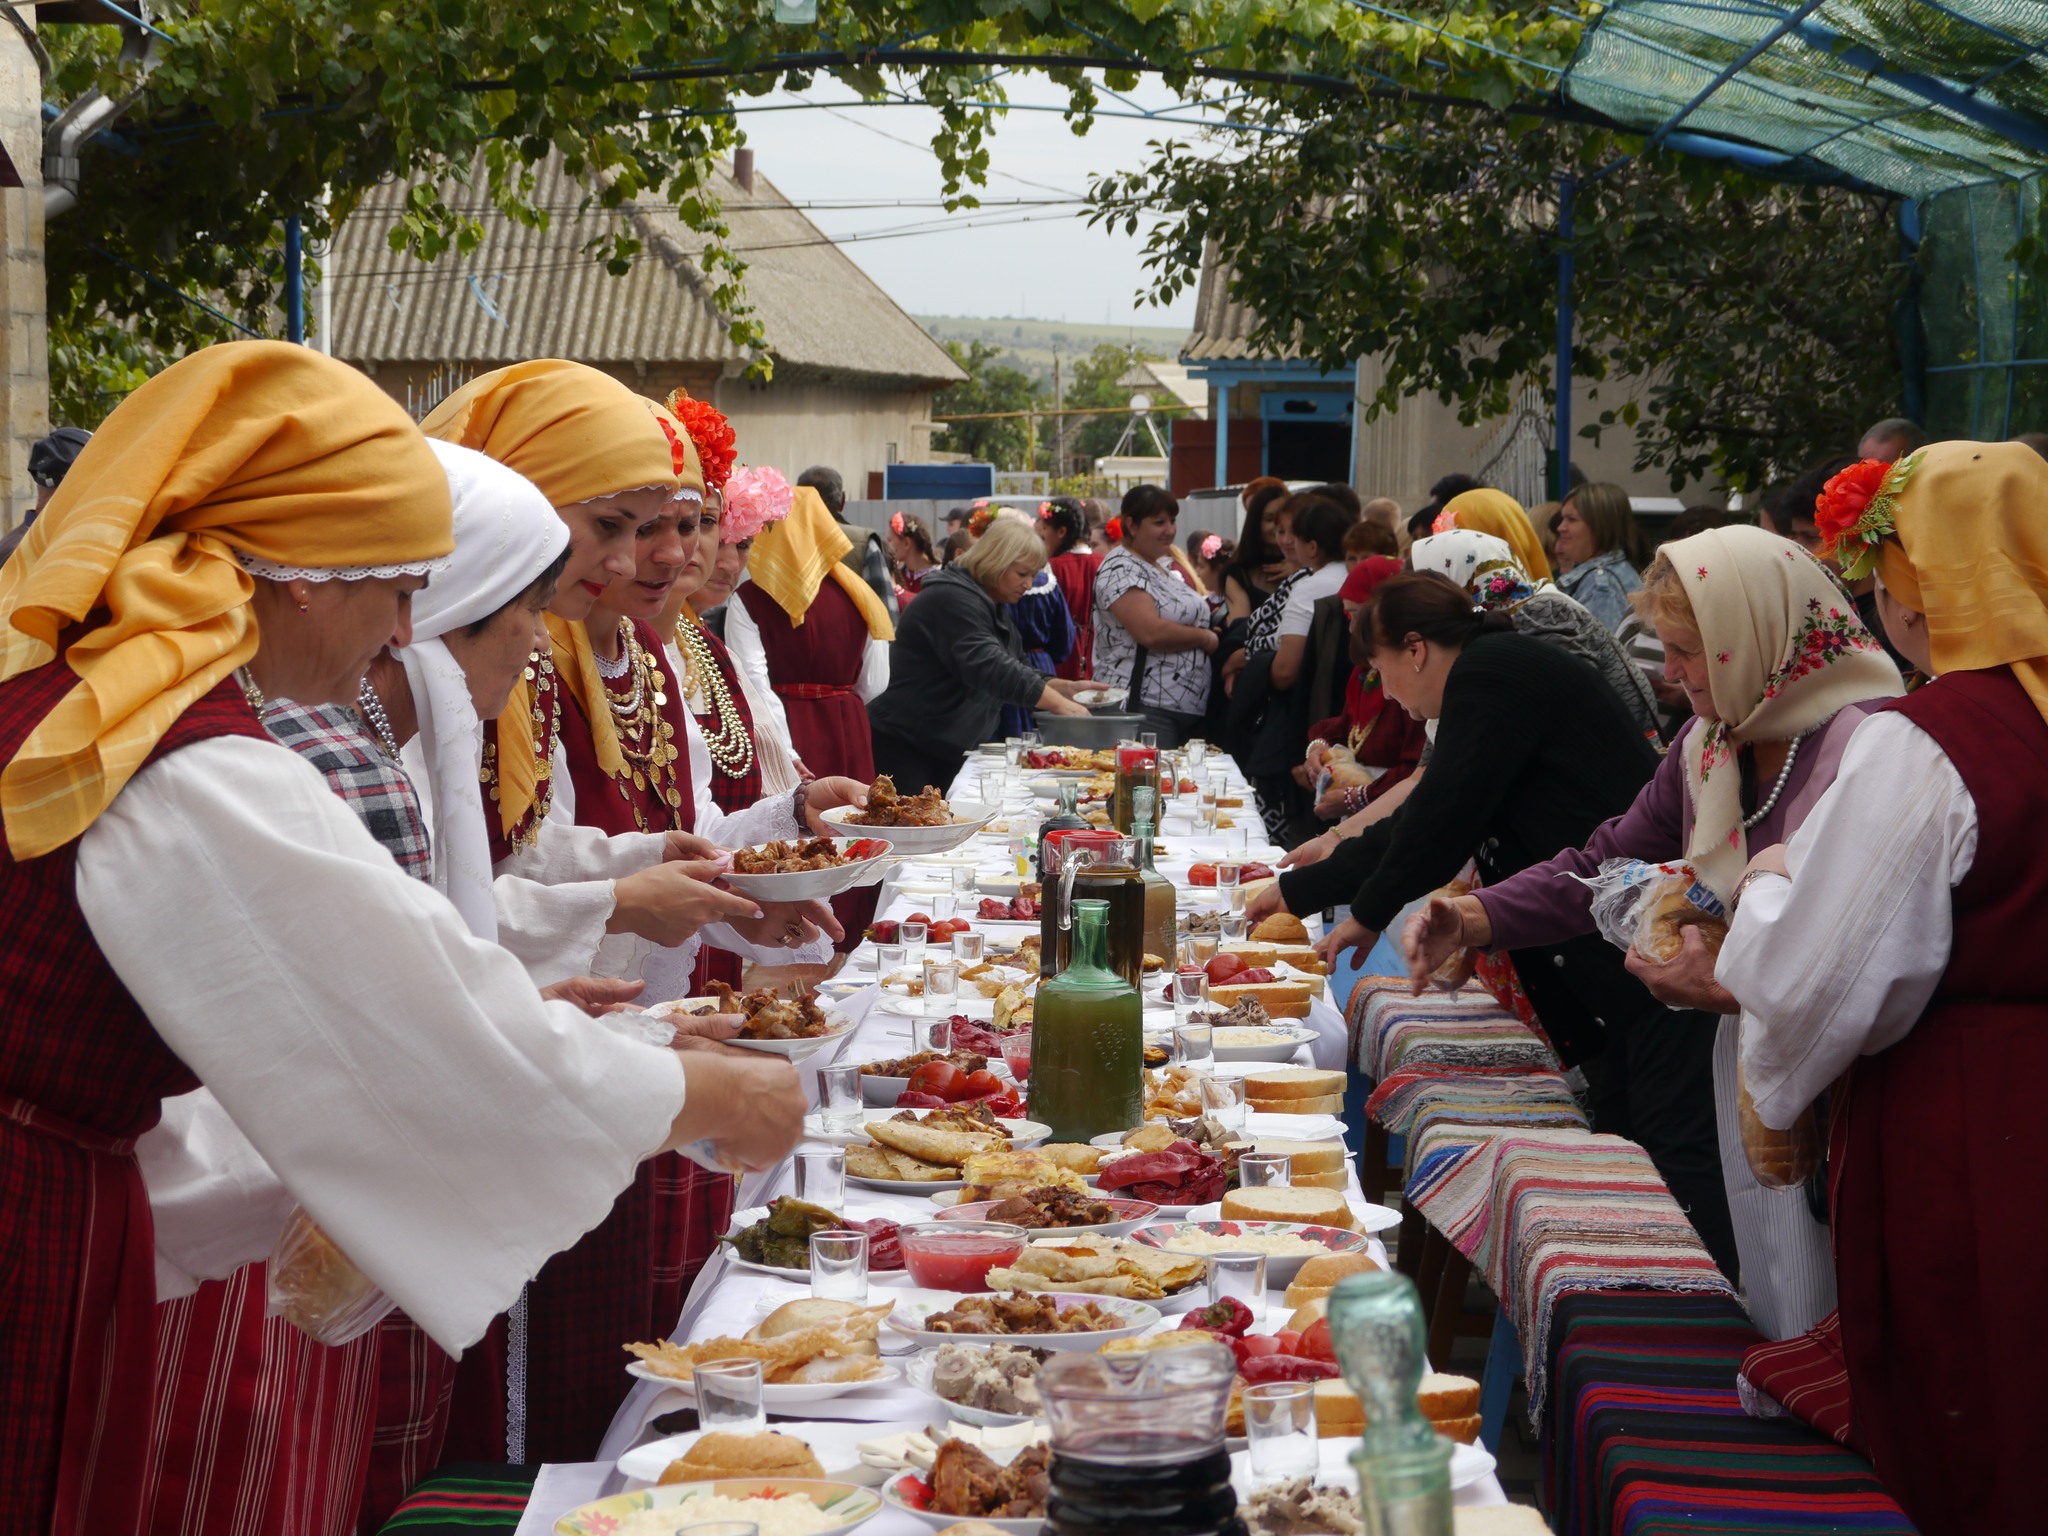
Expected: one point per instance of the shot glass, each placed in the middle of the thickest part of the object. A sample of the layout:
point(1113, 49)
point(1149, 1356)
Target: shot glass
point(1229, 873)
point(1235, 896)
point(1234, 925)
point(944, 905)
point(839, 1266)
point(839, 1099)
point(729, 1397)
point(941, 989)
point(933, 1032)
point(1017, 1054)
point(1241, 1276)
point(1149, 739)
point(1020, 856)
point(1265, 1170)
point(1198, 949)
point(967, 947)
point(1030, 740)
point(888, 960)
point(1205, 813)
point(1189, 988)
point(821, 1177)
point(1194, 1045)
point(1013, 751)
point(1235, 840)
point(1197, 753)
point(1280, 1431)
point(914, 936)
point(963, 880)
point(1223, 1099)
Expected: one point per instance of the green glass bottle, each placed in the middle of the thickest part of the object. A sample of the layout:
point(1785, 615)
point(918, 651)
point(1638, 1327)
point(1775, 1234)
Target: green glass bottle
point(1087, 1041)
point(1403, 1467)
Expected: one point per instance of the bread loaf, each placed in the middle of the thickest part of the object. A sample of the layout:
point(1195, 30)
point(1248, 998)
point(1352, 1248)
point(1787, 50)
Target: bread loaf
point(1293, 1083)
point(1319, 1276)
point(1280, 928)
point(1322, 1104)
point(1778, 1159)
point(1666, 914)
point(1339, 1413)
point(1447, 1397)
point(1311, 1207)
point(1280, 999)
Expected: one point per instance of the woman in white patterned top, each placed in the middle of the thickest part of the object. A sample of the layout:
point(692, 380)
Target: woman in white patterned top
point(1150, 624)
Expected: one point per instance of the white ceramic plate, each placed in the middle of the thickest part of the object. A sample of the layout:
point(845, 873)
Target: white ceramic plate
point(1023, 1133)
point(970, 1005)
point(777, 1395)
point(852, 1503)
point(915, 1306)
point(917, 1370)
point(1469, 1463)
point(741, 1220)
point(835, 1442)
point(1280, 1269)
point(906, 1186)
point(937, 1522)
point(1131, 1215)
point(1372, 1219)
point(1281, 1044)
point(794, 1050)
point(815, 884)
point(915, 842)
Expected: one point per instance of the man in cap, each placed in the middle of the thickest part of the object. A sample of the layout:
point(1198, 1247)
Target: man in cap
point(48, 462)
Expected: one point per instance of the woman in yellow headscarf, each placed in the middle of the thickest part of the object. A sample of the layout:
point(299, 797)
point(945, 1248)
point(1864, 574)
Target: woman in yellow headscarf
point(1894, 945)
point(189, 903)
point(1496, 512)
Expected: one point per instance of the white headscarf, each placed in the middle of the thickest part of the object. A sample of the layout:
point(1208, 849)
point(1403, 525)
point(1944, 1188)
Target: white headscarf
point(1483, 565)
point(506, 534)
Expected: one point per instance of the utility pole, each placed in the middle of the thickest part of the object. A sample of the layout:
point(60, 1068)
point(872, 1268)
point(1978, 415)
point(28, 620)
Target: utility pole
point(1059, 431)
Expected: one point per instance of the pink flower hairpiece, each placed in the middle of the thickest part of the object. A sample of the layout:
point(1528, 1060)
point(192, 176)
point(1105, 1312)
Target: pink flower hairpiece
point(896, 524)
point(1212, 546)
point(754, 498)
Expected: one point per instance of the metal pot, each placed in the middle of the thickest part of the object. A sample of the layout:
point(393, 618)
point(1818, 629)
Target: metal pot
point(1093, 731)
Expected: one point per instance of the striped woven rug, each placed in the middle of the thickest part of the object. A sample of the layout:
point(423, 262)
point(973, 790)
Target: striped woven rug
point(1390, 1030)
point(1586, 1213)
point(1450, 1178)
point(1647, 1437)
point(465, 1497)
point(1410, 1101)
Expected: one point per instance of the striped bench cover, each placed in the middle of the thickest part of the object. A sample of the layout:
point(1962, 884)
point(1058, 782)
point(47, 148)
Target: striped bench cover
point(1647, 1438)
point(1410, 1101)
point(1390, 1030)
point(465, 1497)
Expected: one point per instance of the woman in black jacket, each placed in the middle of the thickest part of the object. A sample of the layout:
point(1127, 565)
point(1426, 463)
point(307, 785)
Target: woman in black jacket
point(1533, 751)
point(958, 660)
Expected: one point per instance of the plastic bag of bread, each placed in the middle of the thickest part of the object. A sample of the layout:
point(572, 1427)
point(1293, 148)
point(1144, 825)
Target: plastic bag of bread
point(313, 1286)
point(1778, 1159)
point(1648, 907)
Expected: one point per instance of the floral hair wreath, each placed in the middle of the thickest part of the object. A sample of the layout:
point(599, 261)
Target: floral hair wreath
point(980, 518)
point(1115, 530)
point(1045, 511)
point(1860, 506)
point(710, 431)
point(754, 498)
point(896, 524)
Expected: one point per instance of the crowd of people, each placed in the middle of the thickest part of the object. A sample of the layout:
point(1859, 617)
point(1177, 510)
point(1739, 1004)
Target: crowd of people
point(357, 770)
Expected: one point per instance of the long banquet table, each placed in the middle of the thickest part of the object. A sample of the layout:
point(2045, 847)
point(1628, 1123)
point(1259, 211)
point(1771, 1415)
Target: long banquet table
point(726, 1299)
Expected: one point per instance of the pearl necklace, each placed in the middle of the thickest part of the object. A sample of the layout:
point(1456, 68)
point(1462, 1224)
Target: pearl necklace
point(1784, 774)
point(372, 710)
point(646, 740)
point(730, 746)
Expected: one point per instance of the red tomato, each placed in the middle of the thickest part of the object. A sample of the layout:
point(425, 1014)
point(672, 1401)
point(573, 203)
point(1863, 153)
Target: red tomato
point(942, 1078)
point(1315, 1342)
point(1290, 1340)
point(1202, 874)
point(1222, 968)
point(1257, 1344)
point(921, 917)
point(980, 1084)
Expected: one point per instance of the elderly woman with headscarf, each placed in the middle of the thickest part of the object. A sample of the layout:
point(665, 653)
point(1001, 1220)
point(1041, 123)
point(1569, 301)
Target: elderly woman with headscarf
point(1892, 947)
point(1486, 510)
point(253, 521)
point(1780, 674)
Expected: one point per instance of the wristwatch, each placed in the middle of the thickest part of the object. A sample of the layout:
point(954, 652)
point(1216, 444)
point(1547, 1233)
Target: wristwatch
point(1742, 885)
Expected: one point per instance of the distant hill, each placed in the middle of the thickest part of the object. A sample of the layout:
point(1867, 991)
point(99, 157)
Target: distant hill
point(1031, 344)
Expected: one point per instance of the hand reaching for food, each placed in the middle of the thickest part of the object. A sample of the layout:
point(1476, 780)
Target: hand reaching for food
point(688, 845)
point(594, 994)
point(828, 794)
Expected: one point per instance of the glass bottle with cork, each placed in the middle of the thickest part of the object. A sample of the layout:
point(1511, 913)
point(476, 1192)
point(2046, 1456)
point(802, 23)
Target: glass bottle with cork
point(1087, 1039)
point(1087, 864)
point(1403, 1466)
point(1162, 913)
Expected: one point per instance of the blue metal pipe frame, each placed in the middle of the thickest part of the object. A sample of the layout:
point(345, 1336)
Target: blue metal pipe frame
point(294, 283)
point(1567, 193)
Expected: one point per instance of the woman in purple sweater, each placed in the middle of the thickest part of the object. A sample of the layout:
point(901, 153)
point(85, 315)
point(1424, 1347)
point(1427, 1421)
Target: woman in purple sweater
point(1780, 672)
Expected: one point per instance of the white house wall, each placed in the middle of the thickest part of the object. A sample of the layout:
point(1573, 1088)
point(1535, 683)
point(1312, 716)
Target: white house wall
point(795, 425)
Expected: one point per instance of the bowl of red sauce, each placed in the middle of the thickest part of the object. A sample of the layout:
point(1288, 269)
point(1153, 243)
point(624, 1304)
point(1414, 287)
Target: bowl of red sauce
point(957, 1255)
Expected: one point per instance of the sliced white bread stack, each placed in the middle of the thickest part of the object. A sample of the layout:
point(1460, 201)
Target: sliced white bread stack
point(1339, 1412)
point(1294, 1090)
point(1498, 1520)
point(1286, 998)
point(1306, 1206)
point(1314, 1164)
point(1269, 955)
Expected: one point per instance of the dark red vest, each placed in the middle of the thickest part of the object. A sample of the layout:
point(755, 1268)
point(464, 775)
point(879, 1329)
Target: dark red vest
point(1940, 1167)
point(73, 1042)
point(729, 794)
point(814, 667)
point(607, 803)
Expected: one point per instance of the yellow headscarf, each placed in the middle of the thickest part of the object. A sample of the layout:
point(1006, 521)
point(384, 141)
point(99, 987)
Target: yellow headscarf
point(577, 434)
point(1498, 513)
point(1971, 552)
point(792, 558)
point(258, 446)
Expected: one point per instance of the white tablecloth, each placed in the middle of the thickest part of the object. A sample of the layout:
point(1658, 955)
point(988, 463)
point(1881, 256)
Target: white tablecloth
point(726, 1299)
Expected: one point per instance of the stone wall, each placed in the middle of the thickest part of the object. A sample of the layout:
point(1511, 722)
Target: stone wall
point(24, 322)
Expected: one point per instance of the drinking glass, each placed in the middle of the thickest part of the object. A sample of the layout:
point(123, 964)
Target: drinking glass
point(1199, 949)
point(1013, 751)
point(1149, 740)
point(1234, 926)
point(963, 880)
point(1238, 1275)
point(913, 936)
point(967, 947)
point(1280, 1431)
point(1219, 784)
point(839, 1266)
point(1223, 1099)
point(839, 1100)
point(1235, 840)
point(821, 1177)
point(1229, 873)
point(1194, 1045)
point(1236, 898)
point(1205, 813)
point(1198, 754)
point(1265, 1170)
point(1017, 1054)
point(1020, 856)
point(944, 905)
point(1030, 740)
point(1189, 988)
point(729, 1397)
point(941, 988)
point(933, 1032)
point(888, 960)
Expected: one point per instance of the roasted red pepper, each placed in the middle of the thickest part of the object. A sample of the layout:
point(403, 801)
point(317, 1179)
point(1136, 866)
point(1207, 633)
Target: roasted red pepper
point(1264, 1368)
point(1229, 1318)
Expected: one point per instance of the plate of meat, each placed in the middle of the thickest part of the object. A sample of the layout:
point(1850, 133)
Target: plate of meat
point(809, 868)
point(967, 1484)
point(914, 824)
point(795, 1027)
point(1059, 1320)
point(1055, 1208)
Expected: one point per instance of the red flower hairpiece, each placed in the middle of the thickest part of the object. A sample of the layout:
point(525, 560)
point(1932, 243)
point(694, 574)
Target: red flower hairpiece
point(1045, 511)
point(1115, 530)
point(896, 524)
point(1212, 546)
point(1859, 506)
point(716, 442)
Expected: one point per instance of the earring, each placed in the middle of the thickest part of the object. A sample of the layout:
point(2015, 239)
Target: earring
point(302, 607)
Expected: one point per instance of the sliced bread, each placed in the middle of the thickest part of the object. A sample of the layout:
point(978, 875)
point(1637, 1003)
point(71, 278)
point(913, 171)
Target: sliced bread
point(1312, 1207)
point(1292, 1082)
point(1280, 999)
point(1324, 1104)
point(1446, 1397)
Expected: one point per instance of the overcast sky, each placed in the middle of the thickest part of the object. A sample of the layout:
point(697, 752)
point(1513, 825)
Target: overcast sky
point(1031, 262)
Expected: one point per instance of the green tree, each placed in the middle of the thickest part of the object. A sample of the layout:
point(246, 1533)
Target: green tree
point(1750, 321)
point(263, 109)
point(1093, 384)
point(989, 386)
